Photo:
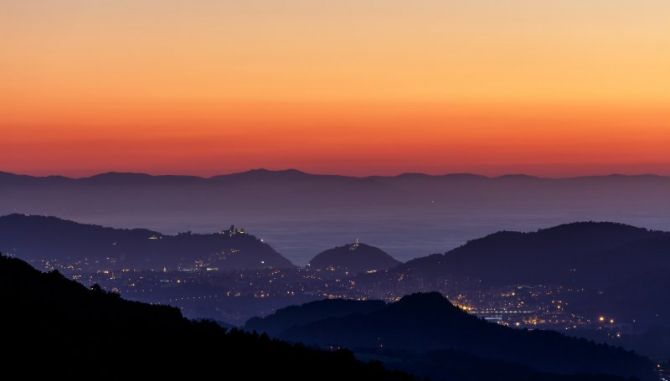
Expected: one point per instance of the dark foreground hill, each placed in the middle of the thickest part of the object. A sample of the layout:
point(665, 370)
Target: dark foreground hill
point(92, 247)
point(427, 335)
point(53, 327)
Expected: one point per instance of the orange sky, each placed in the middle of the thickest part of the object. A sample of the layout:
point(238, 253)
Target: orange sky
point(359, 87)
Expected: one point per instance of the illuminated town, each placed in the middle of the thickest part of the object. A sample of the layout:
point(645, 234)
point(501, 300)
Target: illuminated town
point(204, 291)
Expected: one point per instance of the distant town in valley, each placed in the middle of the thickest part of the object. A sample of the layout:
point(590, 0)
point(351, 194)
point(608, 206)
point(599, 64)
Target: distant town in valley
point(301, 265)
point(199, 274)
point(301, 190)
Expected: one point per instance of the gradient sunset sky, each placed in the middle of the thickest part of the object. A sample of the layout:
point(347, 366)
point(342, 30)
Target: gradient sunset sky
point(359, 87)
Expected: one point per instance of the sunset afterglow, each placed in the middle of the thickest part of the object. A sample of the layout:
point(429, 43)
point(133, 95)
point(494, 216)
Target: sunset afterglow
point(552, 88)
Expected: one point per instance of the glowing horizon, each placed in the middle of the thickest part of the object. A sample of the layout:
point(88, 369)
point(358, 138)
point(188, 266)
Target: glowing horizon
point(360, 88)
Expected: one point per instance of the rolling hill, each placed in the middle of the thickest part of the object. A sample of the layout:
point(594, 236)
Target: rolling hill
point(91, 247)
point(352, 259)
point(427, 329)
point(585, 253)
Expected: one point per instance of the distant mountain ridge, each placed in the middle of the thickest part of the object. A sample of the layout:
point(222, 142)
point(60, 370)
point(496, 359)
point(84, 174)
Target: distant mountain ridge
point(438, 212)
point(66, 242)
point(292, 174)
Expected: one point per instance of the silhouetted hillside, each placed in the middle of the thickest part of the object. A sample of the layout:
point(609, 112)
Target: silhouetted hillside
point(585, 253)
point(427, 329)
point(613, 268)
point(94, 247)
point(352, 259)
point(56, 328)
point(638, 298)
point(295, 316)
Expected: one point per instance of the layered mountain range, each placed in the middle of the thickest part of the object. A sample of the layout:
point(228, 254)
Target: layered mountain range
point(408, 215)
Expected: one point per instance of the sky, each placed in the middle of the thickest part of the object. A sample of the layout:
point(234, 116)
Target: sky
point(358, 87)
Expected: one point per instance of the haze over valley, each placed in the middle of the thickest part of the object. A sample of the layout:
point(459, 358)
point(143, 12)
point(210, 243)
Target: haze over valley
point(429, 190)
point(408, 216)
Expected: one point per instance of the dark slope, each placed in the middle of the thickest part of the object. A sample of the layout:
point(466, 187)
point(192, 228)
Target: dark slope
point(585, 253)
point(56, 328)
point(295, 316)
point(425, 325)
point(38, 237)
point(353, 259)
